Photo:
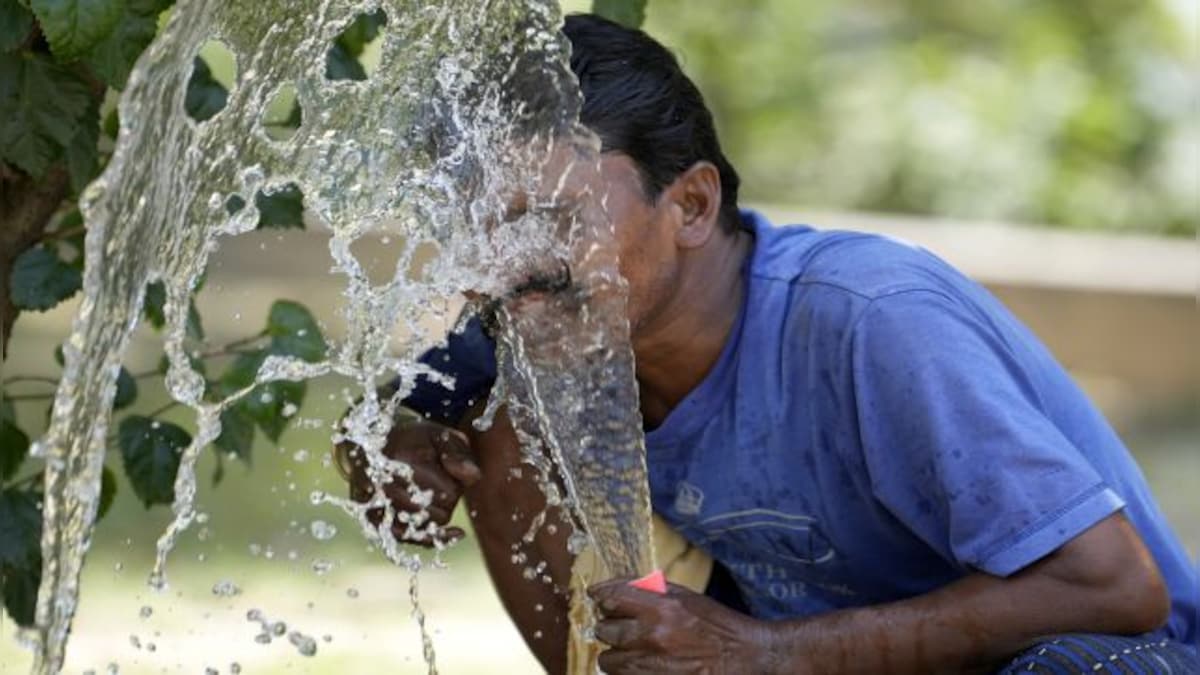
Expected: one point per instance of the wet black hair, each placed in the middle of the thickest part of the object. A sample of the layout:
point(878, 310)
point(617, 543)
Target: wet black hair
point(637, 99)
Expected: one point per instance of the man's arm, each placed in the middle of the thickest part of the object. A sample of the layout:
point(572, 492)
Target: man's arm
point(1102, 581)
point(503, 505)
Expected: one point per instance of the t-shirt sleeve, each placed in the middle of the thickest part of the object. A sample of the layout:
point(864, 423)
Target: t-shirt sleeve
point(469, 357)
point(955, 439)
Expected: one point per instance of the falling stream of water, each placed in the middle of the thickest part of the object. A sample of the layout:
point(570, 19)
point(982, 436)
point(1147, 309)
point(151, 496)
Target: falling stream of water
point(472, 104)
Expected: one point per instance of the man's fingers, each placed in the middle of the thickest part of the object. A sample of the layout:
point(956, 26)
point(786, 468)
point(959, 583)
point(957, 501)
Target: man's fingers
point(454, 453)
point(620, 662)
point(619, 632)
point(616, 598)
point(462, 468)
point(447, 535)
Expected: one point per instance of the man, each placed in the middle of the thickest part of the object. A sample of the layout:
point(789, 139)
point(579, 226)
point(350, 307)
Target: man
point(889, 472)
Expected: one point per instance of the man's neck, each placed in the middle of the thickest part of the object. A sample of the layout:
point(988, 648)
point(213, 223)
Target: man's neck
point(686, 339)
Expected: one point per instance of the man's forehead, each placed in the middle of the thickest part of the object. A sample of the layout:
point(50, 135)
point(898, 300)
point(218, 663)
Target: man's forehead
point(567, 177)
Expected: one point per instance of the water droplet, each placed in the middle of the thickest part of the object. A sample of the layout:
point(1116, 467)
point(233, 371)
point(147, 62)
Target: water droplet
point(135, 642)
point(254, 615)
point(352, 592)
point(235, 668)
point(322, 566)
point(263, 638)
point(228, 589)
point(145, 611)
point(278, 628)
point(304, 644)
point(322, 530)
point(300, 455)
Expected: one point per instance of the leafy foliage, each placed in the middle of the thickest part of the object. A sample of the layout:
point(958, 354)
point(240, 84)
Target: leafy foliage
point(20, 552)
point(294, 332)
point(150, 449)
point(205, 96)
point(630, 13)
point(51, 106)
point(41, 280)
point(74, 26)
point(15, 24)
point(113, 57)
point(42, 107)
point(1058, 112)
point(342, 61)
point(14, 447)
point(281, 209)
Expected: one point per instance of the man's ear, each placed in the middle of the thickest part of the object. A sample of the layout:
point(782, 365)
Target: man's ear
point(696, 197)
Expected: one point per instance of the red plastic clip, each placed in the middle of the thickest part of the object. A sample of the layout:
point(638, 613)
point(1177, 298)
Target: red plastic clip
point(654, 582)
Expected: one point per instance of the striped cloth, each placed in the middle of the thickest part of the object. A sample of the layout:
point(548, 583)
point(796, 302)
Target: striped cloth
point(1091, 653)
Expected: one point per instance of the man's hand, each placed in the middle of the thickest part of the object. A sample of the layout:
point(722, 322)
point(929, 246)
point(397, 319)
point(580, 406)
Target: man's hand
point(680, 632)
point(441, 461)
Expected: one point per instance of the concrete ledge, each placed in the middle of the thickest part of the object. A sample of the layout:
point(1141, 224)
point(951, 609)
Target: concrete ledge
point(1011, 255)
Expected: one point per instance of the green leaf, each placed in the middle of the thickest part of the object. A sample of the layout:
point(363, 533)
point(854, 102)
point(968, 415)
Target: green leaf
point(42, 106)
point(237, 432)
point(108, 491)
point(20, 591)
point(630, 13)
point(205, 96)
point(40, 279)
point(294, 332)
point(193, 328)
point(241, 372)
point(112, 123)
point(197, 363)
point(82, 151)
point(15, 23)
point(113, 57)
point(153, 308)
point(364, 29)
point(267, 402)
point(14, 448)
point(152, 305)
point(341, 65)
point(150, 449)
point(72, 27)
point(20, 528)
point(283, 208)
point(127, 390)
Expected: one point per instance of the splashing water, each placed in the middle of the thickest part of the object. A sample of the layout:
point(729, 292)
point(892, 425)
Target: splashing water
point(471, 105)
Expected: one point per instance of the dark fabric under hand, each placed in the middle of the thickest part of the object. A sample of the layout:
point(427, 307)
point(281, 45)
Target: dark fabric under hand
point(470, 358)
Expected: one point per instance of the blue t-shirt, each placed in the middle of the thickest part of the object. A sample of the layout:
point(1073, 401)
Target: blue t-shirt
point(877, 426)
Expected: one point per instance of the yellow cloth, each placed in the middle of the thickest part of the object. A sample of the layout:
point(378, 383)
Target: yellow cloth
point(682, 563)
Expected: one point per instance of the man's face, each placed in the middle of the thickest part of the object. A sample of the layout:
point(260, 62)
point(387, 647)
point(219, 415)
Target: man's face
point(578, 198)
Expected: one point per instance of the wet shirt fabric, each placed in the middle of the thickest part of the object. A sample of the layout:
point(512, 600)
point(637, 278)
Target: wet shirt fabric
point(878, 426)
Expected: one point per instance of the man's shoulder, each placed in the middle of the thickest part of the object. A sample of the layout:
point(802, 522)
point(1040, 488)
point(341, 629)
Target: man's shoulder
point(868, 266)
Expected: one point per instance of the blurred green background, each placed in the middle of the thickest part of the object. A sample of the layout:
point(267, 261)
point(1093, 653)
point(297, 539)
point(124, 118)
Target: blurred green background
point(1058, 112)
point(1052, 113)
